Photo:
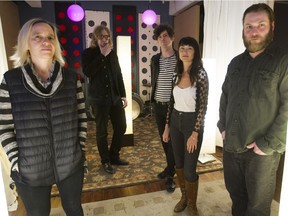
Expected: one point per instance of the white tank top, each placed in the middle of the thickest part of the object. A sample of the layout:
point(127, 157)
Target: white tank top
point(185, 99)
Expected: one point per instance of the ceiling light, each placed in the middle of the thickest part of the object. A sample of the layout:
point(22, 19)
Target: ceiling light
point(75, 12)
point(149, 17)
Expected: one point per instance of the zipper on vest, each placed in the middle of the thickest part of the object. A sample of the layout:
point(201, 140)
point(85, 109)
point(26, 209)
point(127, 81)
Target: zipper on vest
point(48, 106)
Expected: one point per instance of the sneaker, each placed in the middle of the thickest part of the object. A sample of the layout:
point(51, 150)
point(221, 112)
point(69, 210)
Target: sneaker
point(163, 174)
point(108, 168)
point(170, 185)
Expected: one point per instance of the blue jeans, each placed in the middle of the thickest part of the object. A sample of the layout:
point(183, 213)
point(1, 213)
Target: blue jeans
point(117, 116)
point(250, 180)
point(160, 115)
point(181, 128)
point(37, 199)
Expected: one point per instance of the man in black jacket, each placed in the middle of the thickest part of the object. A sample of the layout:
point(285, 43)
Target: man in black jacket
point(106, 94)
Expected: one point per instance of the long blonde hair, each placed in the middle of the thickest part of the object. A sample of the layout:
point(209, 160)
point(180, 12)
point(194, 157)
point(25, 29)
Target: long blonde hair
point(97, 32)
point(21, 55)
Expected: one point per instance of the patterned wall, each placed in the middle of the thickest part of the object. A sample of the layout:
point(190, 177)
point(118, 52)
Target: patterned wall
point(147, 48)
point(124, 23)
point(93, 19)
point(70, 37)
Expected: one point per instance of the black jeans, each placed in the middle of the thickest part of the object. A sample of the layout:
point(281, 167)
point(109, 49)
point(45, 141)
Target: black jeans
point(160, 116)
point(118, 120)
point(181, 128)
point(37, 199)
point(250, 180)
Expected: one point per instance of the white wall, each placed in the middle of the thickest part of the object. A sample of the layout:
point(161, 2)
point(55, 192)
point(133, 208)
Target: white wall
point(3, 59)
point(3, 68)
point(283, 208)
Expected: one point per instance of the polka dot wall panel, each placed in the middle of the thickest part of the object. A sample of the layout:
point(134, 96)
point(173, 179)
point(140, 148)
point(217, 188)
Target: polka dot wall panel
point(70, 37)
point(147, 48)
point(93, 19)
point(124, 24)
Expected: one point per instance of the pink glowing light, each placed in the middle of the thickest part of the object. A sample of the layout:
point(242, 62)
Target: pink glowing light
point(75, 13)
point(149, 17)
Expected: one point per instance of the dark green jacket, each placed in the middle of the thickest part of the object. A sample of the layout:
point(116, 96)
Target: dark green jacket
point(254, 102)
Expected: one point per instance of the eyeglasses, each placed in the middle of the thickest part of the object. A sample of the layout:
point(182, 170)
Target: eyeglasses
point(101, 37)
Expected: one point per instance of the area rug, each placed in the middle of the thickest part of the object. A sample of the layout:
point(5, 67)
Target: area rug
point(213, 200)
point(146, 159)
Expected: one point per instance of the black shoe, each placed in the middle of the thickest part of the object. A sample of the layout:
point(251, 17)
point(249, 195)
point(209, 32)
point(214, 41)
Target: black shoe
point(163, 174)
point(108, 168)
point(119, 162)
point(170, 185)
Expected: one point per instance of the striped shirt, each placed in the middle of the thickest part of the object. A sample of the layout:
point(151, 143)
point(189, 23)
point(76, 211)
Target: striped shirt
point(164, 82)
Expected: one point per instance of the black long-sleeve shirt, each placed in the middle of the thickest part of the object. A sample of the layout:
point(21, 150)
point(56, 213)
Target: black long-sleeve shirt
point(104, 74)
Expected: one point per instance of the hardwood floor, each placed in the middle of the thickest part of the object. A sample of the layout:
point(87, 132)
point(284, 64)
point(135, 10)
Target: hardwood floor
point(112, 193)
point(105, 194)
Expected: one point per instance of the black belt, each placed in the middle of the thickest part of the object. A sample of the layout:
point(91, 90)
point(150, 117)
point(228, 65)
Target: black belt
point(162, 103)
point(183, 113)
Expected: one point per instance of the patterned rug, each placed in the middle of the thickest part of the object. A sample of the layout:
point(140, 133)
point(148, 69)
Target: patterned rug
point(213, 200)
point(146, 159)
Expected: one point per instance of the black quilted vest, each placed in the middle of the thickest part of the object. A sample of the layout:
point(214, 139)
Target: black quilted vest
point(46, 130)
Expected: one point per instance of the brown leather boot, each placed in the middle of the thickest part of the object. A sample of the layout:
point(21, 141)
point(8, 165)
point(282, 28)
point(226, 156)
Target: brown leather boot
point(181, 205)
point(192, 193)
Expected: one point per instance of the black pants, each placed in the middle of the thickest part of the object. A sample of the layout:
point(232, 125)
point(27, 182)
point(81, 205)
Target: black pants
point(160, 115)
point(181, 128)
point(250, 180)
point(37, 199)
point(118, 120)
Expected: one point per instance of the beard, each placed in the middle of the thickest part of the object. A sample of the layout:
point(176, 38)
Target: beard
point(264, 42)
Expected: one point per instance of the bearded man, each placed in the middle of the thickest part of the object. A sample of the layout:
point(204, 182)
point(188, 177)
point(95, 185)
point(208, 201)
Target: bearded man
point(253, 115)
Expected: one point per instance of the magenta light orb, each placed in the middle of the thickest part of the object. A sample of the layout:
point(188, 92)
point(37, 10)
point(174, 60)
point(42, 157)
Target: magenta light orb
point(149, 17)
point(75, 13)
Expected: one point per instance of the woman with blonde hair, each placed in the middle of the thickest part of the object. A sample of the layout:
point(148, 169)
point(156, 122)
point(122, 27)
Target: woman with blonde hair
point(43, 122)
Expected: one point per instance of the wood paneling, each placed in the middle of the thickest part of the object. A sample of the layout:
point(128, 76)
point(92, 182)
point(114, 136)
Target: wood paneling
point(187, 24)
point(11, 26)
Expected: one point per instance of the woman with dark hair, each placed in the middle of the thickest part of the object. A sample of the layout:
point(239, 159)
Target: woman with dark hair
point(185, 120)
